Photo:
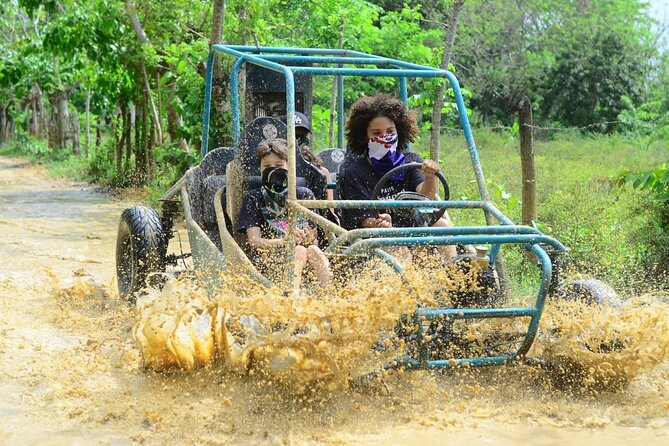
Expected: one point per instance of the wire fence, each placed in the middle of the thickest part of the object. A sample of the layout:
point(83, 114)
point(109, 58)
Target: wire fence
point(650, 126)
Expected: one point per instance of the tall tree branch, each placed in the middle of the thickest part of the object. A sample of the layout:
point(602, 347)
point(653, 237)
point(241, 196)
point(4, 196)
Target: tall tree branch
point(445, 60)
point(144, 41)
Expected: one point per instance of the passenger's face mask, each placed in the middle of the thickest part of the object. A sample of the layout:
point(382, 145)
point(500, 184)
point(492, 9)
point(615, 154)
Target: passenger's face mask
point(275, 180)
point(302, 140)
point(380, 146)
point(275, 189)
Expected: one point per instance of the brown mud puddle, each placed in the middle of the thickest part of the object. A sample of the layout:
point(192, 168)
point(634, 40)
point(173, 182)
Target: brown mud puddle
point(71, 371)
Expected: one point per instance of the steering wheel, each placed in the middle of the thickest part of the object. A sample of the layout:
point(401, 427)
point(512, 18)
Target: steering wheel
point(429, 215)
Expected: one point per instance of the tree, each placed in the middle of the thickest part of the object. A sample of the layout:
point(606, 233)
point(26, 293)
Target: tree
point(435, 135)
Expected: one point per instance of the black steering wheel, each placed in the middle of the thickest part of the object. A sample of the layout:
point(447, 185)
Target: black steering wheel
point(427, 215)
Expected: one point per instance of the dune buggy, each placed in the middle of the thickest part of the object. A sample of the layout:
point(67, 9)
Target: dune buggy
point(279, 81)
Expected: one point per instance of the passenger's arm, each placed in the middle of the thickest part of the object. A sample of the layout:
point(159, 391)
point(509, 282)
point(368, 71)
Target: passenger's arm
point(380, 221)
point(328, 178)
point(258, 242)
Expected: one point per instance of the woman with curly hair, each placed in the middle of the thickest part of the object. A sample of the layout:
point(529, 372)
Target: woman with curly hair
point(379, 129)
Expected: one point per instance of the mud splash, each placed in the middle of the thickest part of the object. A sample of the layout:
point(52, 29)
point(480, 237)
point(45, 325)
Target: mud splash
point(299, 339)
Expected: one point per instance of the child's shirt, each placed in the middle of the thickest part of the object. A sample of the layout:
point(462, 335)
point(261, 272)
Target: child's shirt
point(254, 214)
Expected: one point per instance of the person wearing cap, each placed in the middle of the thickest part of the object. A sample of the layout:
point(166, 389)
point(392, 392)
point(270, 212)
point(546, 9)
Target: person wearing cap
point(264, 218)
point(303, 142)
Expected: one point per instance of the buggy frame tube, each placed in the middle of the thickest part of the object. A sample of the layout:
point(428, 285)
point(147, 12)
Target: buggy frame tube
point(525, 239)
point(327, 51)
point(340, 111)
point(290, 119)
point(409, 70)
point(430, 231)
point(475, 313)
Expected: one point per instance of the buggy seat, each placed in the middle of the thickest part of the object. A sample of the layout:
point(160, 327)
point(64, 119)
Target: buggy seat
point(244, 173)
point(202, 185)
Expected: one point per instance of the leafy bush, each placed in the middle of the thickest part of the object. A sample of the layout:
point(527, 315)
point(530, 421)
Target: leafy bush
point(656, 181)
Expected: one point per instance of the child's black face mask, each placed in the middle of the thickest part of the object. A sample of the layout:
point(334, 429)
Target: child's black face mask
point(275, 182)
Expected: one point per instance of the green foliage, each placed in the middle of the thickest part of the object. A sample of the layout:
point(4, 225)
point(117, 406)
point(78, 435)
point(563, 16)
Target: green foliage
point(589, 87)
point(610, 232)
point(574, 60)
point(655, 180)
point(26, 146)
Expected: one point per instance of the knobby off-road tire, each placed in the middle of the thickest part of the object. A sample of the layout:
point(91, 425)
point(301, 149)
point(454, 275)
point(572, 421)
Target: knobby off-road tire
point(140, 251)
point(593, 292)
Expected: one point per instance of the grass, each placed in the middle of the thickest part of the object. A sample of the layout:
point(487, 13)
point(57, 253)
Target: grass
point(578, 201)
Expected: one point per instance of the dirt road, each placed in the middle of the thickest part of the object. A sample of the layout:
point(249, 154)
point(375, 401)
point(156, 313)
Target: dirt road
point(70, 372)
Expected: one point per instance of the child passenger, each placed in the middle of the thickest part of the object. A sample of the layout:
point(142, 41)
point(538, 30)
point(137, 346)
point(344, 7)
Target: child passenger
point(264, 218)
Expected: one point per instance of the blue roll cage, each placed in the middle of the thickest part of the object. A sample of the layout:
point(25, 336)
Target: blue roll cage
point(348, 63)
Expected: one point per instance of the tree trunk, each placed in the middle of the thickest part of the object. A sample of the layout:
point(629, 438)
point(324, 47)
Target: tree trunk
point(219, 81)
point(435, 134)
point(217, 33)
point(75, 134)
point(39, 114)
point(35, 98)
point(63, 122)
point(53, 137)
point(98, 131)
point(59, 123)
point(133, 119)
point(148, 155)
point(6, 123)
point(118, 142)
point(174, 124)
point(87, 135)
point(128, 130)
point(154, 112)
point(141, 36)
point(333, 96)
point(145, 138)
point(527, 162)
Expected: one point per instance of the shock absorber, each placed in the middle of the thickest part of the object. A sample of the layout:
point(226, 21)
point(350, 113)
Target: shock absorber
point(170, 209)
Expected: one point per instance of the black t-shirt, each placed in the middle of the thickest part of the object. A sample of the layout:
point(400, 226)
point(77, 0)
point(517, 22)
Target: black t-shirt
point(251, 213)
point(357, 182)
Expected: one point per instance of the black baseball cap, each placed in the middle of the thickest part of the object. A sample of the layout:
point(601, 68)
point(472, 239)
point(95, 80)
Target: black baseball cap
point(301, 120)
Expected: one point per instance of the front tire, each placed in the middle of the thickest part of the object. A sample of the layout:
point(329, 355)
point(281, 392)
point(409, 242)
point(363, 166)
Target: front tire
point(140, 251)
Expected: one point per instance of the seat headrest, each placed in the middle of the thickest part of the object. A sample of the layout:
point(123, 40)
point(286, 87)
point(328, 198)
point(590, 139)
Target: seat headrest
point(257, 131)
point(215, 161)
point(267, 127)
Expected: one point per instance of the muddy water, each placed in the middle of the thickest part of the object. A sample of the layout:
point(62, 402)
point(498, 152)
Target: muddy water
point(71, 371)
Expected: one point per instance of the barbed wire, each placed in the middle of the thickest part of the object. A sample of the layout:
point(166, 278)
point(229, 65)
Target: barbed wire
point(653, 125)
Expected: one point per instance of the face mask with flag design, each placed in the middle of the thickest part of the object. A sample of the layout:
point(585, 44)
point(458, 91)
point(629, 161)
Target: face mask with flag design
point(384, 155)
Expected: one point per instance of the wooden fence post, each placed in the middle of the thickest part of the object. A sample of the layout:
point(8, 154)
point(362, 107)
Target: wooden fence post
point(529, 175)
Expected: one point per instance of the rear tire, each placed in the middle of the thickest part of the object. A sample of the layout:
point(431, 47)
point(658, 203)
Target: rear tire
point(140, 251)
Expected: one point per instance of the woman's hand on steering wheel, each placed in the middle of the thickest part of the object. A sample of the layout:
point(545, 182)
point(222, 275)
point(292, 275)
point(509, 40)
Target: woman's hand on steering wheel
point(429, 168)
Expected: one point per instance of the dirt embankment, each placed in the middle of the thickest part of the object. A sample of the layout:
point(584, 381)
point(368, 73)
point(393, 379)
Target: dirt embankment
point(71, 371)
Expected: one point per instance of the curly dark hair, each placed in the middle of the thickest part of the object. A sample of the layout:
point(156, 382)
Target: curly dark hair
point(369, 107)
